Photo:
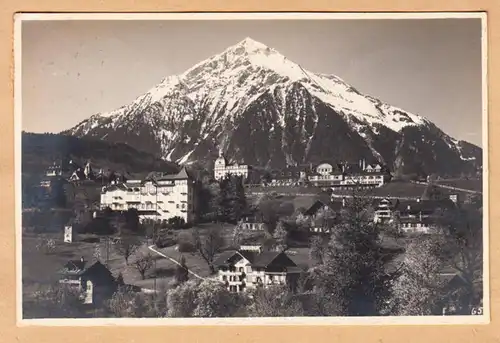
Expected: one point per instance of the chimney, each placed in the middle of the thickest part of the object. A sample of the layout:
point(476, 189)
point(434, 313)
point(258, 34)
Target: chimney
point(364, 164)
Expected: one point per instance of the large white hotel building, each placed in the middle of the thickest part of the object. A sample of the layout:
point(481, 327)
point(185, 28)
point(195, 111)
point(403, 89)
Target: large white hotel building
point(158, 197)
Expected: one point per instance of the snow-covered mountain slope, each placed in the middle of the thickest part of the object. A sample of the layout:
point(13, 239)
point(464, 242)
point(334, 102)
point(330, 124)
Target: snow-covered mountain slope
point(261, 108)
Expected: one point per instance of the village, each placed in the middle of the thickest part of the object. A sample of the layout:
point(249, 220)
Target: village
point(238, 225)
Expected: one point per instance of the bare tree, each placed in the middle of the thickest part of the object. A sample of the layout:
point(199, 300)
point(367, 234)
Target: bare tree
point(47, 245)
point(126, 246)
point(280, 236)
point(143, 263)
point(238, 234)
point(209, 245)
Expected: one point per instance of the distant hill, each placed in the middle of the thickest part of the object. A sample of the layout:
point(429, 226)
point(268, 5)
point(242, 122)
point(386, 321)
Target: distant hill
point(41, 150)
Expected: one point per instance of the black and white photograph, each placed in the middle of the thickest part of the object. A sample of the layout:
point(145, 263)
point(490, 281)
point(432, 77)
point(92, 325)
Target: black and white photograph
point(257, 168)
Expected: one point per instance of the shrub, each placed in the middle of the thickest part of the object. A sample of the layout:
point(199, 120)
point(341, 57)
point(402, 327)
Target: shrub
point(185, 242)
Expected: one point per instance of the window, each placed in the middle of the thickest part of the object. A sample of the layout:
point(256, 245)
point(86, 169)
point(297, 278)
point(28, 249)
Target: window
point(177, 205)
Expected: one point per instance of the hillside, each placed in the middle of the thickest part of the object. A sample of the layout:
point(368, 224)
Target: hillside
point(41, 150)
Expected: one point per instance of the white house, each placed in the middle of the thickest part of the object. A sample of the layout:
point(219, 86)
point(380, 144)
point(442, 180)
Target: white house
point(345, 175)
point(223, 168)
point(158, 197)
point(250, 267)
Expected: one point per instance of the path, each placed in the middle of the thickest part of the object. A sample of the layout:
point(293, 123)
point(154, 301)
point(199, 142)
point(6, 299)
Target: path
point(152, 248)
point(450, 187)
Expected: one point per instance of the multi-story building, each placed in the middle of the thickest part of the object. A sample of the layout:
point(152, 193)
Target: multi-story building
point(223, 168)
point(344, 175)
point(54, 170)
point(157, 197)
point(290, 176)
point(250, 267)
point(412, 216)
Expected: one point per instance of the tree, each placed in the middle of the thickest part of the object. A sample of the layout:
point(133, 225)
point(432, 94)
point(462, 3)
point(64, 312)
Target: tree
point(47, 245)
point(269, 214)
point(209, 245)
point(125, 303)
point(208, 298)
point(236, 199)
point(131, 217)
point(276, 301)
point(181, 271)
point(418, 288)
point(280, 236)
point(181, 300)
point(432, 192)
point(318, 249)
point(185, 242)
point(214, 300)
point(143, 263)
point(352, 275)
point(97, 253)
point(126, 246)
point(463, 250)
point(238, 235)
point(119, 280)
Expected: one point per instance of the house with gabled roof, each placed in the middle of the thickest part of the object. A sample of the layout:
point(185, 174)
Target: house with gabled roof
point(95, 281)
point(323, 215)
point(412, 216)
point(251, 267)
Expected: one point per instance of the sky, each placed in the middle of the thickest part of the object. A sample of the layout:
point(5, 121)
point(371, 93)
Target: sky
point(74, 69)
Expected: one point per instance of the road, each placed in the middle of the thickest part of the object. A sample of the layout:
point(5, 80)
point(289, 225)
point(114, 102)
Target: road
point(451, 187)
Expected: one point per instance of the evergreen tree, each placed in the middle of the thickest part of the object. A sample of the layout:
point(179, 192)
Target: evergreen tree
point(352, 276)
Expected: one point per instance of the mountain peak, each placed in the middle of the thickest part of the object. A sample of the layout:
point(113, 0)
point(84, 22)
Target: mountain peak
point(251, 45)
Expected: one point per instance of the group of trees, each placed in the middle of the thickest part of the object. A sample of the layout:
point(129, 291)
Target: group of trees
point(223, 201)
point(186, 298)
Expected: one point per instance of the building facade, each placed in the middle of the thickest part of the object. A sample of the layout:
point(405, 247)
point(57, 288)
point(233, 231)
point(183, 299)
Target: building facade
point(250, 267)
point(158, 197)
point(344, 175)
point(223, 168)
point(95, 281)
point(412, 216)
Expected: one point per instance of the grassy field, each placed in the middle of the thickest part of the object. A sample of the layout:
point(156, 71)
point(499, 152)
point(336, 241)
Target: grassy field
point(40, 268)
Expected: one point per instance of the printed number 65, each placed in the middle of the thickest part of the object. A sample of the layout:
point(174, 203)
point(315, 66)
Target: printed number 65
point(477, 311)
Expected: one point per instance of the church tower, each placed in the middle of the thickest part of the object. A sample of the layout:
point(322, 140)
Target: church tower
point(220, 166)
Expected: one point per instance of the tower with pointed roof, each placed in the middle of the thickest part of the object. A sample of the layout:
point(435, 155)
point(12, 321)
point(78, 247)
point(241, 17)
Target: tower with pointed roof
point(223, 169)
